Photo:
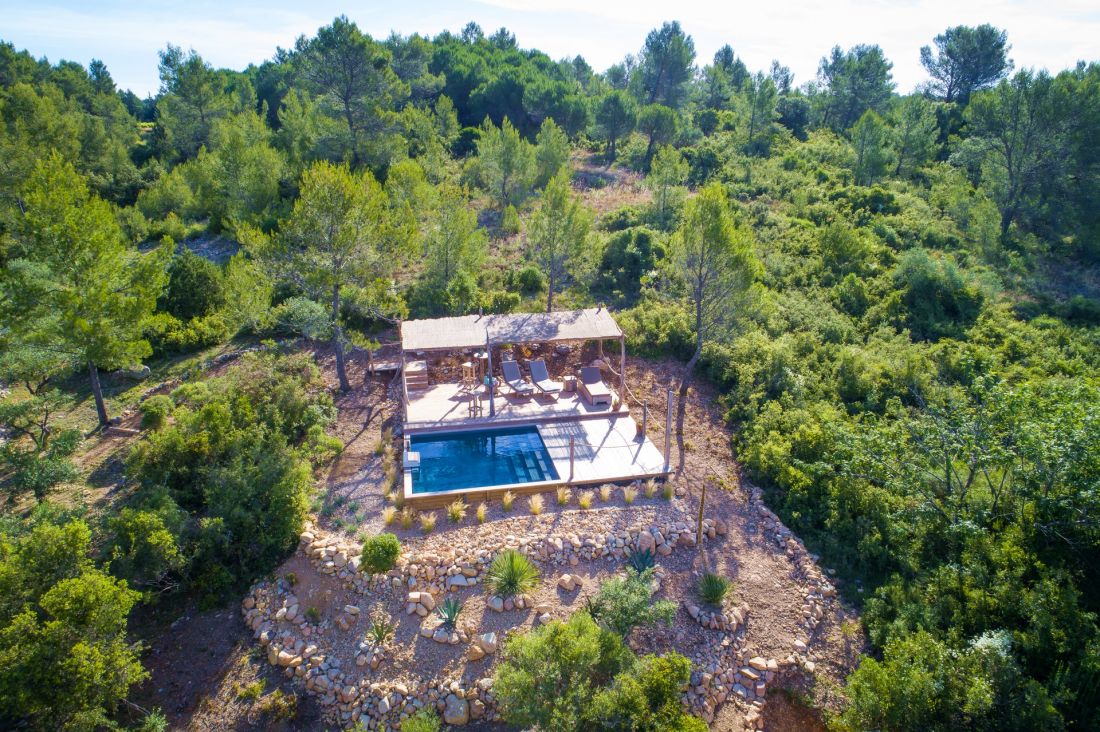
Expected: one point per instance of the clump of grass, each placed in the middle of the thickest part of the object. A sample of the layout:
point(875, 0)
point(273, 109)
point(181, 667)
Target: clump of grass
point(482, 512)
point(649, 488)
point(456, 511)
point(536, 504)
point(279, 705)
point(407, 517)
point(584, 500)
point(511, 574)
point(507, 500)
point(427, 522)
point(641, 560)
point(386, 439)
point(563, 495)
point(389, 513)
point(291, 578)
point(251, 692)
point(605, 493)
point(629, 494)
point(713, 588)
point(313, 615)
point(668, 490)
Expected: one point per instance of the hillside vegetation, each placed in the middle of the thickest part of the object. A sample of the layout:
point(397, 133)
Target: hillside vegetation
point(897, 296)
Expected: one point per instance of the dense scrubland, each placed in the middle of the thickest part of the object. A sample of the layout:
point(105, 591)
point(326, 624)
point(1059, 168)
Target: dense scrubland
point(896, 295)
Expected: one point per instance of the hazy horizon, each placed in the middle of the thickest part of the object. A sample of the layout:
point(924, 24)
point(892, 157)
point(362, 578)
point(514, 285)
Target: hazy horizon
point(1052, 35)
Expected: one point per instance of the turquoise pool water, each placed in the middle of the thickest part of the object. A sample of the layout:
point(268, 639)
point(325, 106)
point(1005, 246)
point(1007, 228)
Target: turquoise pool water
point(479, 459)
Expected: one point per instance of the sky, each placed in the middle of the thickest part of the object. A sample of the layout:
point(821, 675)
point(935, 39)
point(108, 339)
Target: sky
point(1051, 34)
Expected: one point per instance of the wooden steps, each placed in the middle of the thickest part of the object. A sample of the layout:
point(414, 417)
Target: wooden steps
point(416, 376)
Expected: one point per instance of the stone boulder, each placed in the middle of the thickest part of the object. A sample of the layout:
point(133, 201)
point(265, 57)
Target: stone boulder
point(456, 710)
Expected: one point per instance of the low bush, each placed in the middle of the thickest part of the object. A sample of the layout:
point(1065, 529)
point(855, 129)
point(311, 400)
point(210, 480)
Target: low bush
point(380, 553)
point(713, 588)
point(512, 573)
point(625, 602)
point(155, 411)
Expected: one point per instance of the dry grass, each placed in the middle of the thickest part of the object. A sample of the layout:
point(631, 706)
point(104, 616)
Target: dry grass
point(605, 493)
point(507, 500)
point(535, 503)
point(456, 511)
point(482, 512)
point(427, 522)
point(668, 490)
point(408, 516)
point(584, 500)
point(649, 488)
point(389, 513)
point(563, 495)
point(629, 494)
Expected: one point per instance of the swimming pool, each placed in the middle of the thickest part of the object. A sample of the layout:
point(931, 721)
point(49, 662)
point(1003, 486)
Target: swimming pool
point(480, 459)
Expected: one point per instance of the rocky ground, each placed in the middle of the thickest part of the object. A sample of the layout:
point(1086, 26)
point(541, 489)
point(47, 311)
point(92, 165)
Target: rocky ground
point(784, 627)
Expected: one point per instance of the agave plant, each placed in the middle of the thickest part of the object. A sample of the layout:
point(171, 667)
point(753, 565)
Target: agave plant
point(380, 629)
point(448, 612)
point(512, 573)
point(641, 560)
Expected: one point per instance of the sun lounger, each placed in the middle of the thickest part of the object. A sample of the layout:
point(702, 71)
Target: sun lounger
point(592, 386)
point(541, 377)
point(514, 379)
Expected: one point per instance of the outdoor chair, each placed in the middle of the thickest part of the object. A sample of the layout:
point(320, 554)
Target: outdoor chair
point(541, 378)
point(592, 387)
point(514, 379)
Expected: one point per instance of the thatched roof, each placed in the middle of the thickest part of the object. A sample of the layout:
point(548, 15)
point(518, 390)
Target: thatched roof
point(472, 331)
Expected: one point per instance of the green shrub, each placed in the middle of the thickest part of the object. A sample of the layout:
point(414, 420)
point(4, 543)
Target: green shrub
point(195, 287)
point(380, 553)
point(646, 699)
point(509, 221)
point(530, 280)
point(626, 601)
point(512, 573)
point(713, 588)
point(155, 411)
point(449, 611)
point(425, 720)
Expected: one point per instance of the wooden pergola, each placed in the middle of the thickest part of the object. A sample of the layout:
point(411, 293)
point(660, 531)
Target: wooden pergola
point(486, 331)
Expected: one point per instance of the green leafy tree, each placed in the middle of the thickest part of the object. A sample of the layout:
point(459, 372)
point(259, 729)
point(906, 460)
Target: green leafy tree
point(648, 699)
point(37, 453)
point(762, 96)
point(558, 231)
point(966, 59)
point(66, 662)
point(551, 152)
point(195, 286)
point(666, 180)
point(548, 676)
point(716, 261)
point(357, 85)
point(81, 288)
point(914, 135)
point(193, 96)
point(659, 124)
point(454, 244)
point(340, 235)
point(869, 138)
point(507, 161)
point(854, 81)
point(616, 115)
point(665, 66)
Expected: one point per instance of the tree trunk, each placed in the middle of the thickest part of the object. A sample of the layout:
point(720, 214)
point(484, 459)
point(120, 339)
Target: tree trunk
point(649, 153)
point(550, 294)
point(338, 340)
point(681, 403)
point(97, 392)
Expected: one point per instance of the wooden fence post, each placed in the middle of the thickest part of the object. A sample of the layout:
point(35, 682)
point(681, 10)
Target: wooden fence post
point(571, 453)
point(668, 428)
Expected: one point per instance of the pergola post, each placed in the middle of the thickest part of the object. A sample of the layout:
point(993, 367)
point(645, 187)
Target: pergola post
point(404, 380)
point(622, 369)
point(489, 374)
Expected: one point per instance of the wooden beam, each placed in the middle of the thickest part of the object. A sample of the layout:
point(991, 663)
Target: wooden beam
point(622, 369)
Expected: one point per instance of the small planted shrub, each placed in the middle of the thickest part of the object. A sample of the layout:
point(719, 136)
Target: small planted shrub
point(641, 560)
point(380, 553)
point(389, 514)
point(625, 602)
point(427, 522)
point(425, 720)
point(313, 615)
point(629, 494)
point(563, 495)
point(507, 500)
point(668, 491)
point(512, 573)
point(155, 411)
point(407, 517)
point(584, 500)
point(291, 578)
point(605, 493)
point(448, 612)
point(482, 512)
point(380, 629)
point(649, 488)
point(713, 588)
point(536, 504)
point(456, 511)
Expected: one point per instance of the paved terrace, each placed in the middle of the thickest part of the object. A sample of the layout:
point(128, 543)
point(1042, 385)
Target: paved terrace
point(448, 405)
